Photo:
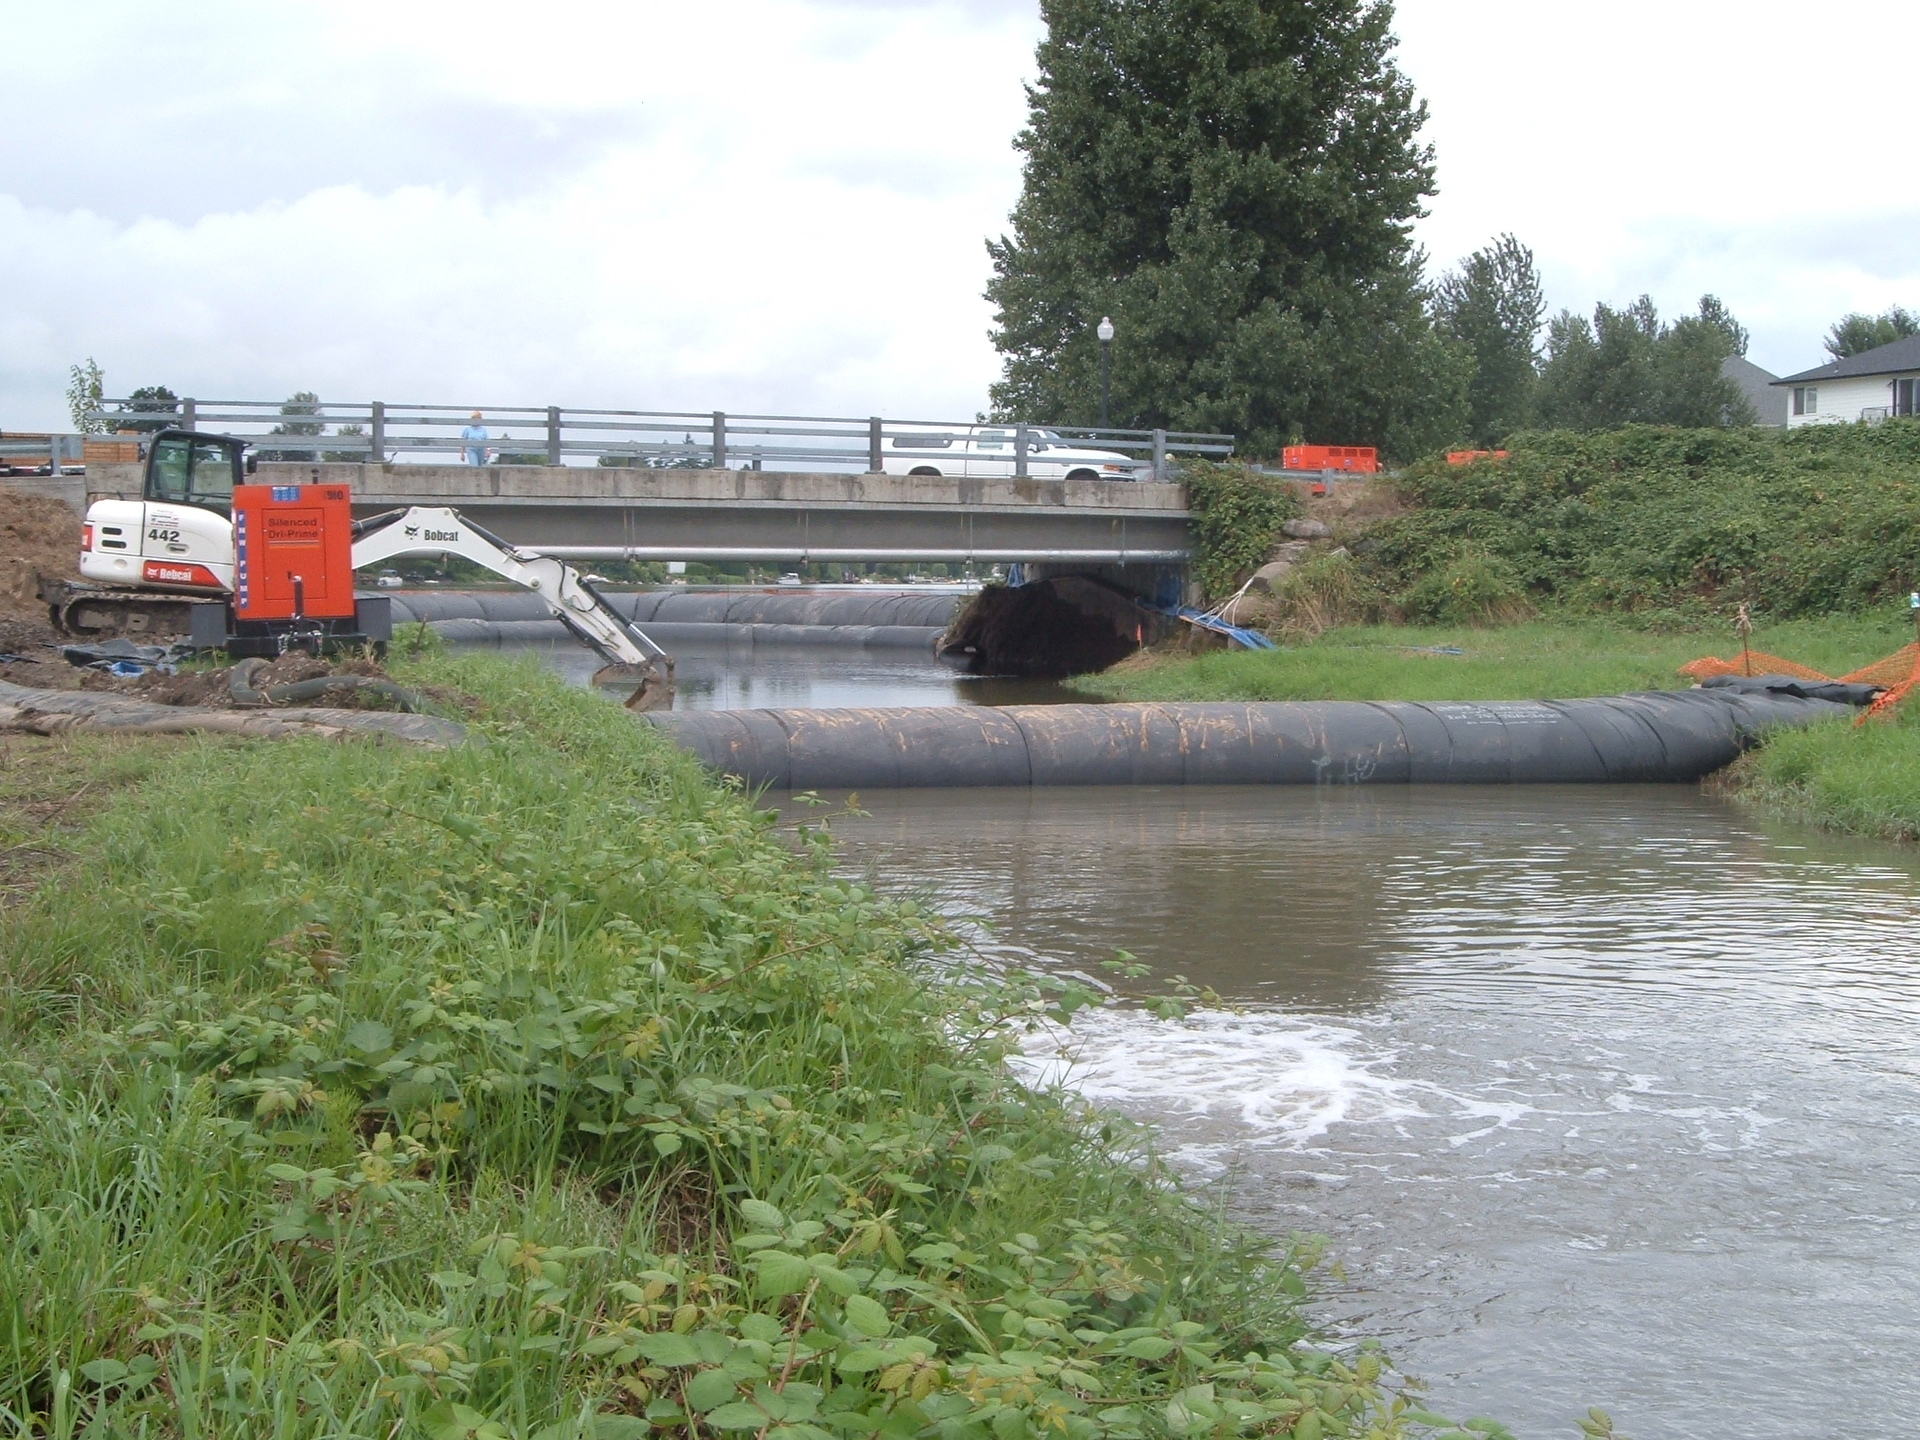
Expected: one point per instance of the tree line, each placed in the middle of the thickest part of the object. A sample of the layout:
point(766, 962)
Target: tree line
point(1235, 182)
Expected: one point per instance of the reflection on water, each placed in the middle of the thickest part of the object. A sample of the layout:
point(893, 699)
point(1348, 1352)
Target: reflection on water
point(1606, 1096)
point(743, 676)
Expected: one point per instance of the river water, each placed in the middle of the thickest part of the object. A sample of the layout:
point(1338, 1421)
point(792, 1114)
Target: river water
point(743, 676)
point(1602, 1095)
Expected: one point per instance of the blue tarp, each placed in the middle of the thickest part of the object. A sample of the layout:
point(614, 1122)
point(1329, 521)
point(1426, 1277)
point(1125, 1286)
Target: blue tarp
point(1246, 639)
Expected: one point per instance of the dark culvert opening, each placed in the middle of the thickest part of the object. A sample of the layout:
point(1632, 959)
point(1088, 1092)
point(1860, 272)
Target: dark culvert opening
point(1067, 625)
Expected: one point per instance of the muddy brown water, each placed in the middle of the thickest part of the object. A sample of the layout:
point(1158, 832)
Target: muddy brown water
point(745, 676)
point(1602, 1095)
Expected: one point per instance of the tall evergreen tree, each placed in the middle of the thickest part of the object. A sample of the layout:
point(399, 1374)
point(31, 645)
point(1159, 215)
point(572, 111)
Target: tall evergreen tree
point(1232, 181)
point(1492, 307)
point(1627, 367)
point(1856, 333)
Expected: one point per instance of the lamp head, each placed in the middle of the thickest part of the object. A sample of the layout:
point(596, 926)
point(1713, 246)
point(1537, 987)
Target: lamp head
point(1105, 330)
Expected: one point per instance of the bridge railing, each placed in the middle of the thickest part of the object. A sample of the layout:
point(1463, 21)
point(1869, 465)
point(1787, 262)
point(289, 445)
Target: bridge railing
point(661, 439)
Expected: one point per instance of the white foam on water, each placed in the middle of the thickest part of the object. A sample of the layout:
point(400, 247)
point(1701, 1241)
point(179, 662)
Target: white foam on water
point(1220, 1079)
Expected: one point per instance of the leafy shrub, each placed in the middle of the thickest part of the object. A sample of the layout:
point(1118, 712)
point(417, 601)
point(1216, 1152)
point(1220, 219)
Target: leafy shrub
point(1810, 521)
point(1473, 588)
point(1237, 514)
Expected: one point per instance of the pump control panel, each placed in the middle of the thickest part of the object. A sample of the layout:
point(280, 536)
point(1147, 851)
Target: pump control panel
point(293, 552)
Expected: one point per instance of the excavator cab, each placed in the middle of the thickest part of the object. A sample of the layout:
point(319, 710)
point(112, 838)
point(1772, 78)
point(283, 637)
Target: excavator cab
point(185, 468)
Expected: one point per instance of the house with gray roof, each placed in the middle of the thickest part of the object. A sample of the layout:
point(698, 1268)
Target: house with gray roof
point(1869, 386)
point(1769, 404)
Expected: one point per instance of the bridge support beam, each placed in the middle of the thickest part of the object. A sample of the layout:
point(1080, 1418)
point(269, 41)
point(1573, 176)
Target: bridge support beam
point(597, 512)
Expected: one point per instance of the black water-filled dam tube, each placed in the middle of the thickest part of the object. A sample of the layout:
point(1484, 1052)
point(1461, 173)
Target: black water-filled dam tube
point(698, 607)
point(890, 621)
point(1656, 736)
point(705, 634)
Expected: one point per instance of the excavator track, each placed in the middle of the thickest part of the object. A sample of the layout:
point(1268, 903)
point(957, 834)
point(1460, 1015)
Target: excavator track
point(102, 612)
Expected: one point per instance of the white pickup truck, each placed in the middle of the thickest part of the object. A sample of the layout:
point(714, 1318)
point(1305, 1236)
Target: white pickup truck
point(986, 451)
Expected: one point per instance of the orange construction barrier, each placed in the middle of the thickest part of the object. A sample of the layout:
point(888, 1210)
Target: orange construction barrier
point(1361, 459)
point(1899, 672)
point(1751, 662)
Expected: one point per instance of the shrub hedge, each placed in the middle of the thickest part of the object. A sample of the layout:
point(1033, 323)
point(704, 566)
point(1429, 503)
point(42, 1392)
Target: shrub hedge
point(1652, 521)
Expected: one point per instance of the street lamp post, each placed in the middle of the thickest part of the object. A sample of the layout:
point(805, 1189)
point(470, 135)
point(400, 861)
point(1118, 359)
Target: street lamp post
point(1105, 332)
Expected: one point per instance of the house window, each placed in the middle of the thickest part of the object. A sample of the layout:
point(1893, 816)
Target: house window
point(1904, 395)
point(1806, 400)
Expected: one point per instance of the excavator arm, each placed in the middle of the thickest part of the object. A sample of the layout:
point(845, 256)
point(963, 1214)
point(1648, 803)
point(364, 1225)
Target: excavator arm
point(431, 530)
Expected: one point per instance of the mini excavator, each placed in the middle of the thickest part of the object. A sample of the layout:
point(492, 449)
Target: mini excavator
point(266, 569)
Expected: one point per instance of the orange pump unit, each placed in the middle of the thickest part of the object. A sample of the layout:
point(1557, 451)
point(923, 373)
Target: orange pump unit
point(293, 552)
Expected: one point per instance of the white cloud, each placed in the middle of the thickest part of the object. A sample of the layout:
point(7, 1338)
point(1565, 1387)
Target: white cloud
point(1758, 151)
point(778, 205)
point(755, 205)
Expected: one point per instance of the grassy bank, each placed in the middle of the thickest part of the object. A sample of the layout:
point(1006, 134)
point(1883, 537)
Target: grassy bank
point(1863, 780)
point(1539, 660)
point(544, 1088)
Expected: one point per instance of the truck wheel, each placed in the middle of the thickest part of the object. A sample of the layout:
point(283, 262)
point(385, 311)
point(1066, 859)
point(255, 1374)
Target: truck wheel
point(1083, 474)
point(924, 470)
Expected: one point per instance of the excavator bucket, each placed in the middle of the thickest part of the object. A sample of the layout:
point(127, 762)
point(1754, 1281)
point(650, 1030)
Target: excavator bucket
point(654, 690)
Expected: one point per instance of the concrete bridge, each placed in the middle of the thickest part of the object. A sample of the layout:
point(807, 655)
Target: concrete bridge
point(593, 513)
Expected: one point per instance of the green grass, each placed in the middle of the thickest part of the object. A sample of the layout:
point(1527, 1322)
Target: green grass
point(1541, 660)
point(1862, 779)
point(544, 1088)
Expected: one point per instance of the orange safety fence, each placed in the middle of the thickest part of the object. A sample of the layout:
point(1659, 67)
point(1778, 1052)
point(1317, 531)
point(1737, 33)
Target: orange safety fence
point(1898, 672)
point(1753, 662)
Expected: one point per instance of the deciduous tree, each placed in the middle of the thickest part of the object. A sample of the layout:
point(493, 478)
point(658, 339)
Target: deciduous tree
point(1626, 367)
point(148, 400)
point(1492, 306)
point(1856, 333)
point(85, 387)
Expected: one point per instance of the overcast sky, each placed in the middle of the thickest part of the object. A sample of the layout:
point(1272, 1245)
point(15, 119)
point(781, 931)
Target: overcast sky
point(779, 205)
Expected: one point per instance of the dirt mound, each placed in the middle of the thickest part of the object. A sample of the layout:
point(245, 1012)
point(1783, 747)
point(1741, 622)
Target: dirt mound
point(1350, 506)
point(38, 537)
point(27, 656)
point(216, 687)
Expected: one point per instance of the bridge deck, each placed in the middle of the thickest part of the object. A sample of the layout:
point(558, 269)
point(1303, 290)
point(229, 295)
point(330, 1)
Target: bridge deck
point(748, 514)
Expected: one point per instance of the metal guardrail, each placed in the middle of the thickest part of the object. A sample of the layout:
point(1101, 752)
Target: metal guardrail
point(38, 454)
point(553, 435)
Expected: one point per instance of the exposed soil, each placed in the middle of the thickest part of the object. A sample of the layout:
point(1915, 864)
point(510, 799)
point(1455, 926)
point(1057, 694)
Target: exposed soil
point(38, 537)
point(215, 687)
point(1349, 506)
point(41, 666)
point(28, 655)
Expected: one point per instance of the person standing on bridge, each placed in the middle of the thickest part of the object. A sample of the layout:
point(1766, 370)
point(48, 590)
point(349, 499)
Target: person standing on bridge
point(476, 437)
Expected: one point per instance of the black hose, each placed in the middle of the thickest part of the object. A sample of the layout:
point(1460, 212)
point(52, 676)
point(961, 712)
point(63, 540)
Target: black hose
point(240, 686)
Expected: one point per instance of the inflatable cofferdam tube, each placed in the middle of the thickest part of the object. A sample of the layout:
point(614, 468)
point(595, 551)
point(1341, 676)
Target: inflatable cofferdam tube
point(679, 617)
point(1656, 736)
point(695, 632)
point(697, 607)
